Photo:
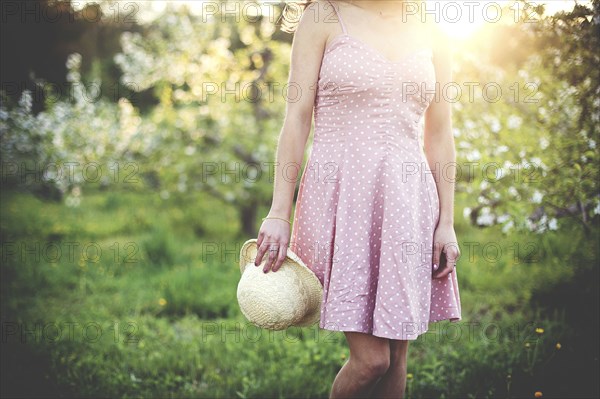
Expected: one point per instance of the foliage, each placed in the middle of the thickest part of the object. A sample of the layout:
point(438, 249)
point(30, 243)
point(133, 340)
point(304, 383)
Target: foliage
point(220, 104)
point(79, 140)
point(210, 132)
point(527, 147)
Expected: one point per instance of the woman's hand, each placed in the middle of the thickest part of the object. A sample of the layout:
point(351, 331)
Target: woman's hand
point(444, 240)
point(273, 239)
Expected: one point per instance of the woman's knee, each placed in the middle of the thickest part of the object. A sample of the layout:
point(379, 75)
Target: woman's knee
point(369, 355)
point(374, 366)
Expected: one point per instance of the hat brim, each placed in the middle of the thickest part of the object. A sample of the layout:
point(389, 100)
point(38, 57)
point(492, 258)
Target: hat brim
point(248, 254)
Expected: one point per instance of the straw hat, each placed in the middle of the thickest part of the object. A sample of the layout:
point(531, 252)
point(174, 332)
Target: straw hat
point(291, 296)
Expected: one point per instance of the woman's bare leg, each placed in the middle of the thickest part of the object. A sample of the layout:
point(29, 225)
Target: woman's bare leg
point(369, 360)
point(393, 383)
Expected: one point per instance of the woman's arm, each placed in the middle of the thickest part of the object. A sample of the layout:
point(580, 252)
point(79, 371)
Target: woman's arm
point(438, 137)
point(307, 52)
point(441, 156)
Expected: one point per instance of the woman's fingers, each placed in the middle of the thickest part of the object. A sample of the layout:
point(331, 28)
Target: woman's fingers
point(275, 255)
point(273, 251)
point(259, 254)
point(263, 252)
point(272, 244)
point(259, 250)
point(281, 257)
point(442, 269)
point(448, 260)
point(452, 254)
point(266, 248)
point(437, 249)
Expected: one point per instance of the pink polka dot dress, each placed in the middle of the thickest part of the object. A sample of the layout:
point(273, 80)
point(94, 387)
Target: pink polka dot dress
point(367, 203)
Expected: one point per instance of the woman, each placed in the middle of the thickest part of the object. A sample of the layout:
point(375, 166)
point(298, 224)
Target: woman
point(374, 212)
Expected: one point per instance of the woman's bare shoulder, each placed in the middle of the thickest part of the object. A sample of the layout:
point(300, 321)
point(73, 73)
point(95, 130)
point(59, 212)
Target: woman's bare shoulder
point(318, 11)
point(314, 23)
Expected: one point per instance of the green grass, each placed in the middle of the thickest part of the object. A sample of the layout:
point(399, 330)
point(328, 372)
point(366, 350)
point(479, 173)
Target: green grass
point(156, 315)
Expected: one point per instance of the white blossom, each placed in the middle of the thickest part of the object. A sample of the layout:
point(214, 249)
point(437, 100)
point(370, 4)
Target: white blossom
point(501, 149)
point(537, 197)
point(514, 122)
point(467, 212)
point(485, 217)
point(507, 226)
point(503, 218)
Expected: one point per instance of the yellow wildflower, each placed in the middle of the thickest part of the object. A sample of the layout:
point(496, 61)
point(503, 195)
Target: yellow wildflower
point(558, 345)
point(539, 330)
point(162, 301)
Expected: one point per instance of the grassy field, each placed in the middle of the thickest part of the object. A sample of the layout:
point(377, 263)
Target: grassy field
point(130, 295)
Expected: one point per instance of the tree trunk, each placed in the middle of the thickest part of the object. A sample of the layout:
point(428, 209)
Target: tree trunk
point(248, 219)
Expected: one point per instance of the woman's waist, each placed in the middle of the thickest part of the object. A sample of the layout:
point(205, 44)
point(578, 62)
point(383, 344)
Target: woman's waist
point(364, 135)
point(362, 151)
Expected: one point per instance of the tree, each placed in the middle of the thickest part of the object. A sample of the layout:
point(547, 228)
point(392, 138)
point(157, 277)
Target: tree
point(537, 141)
